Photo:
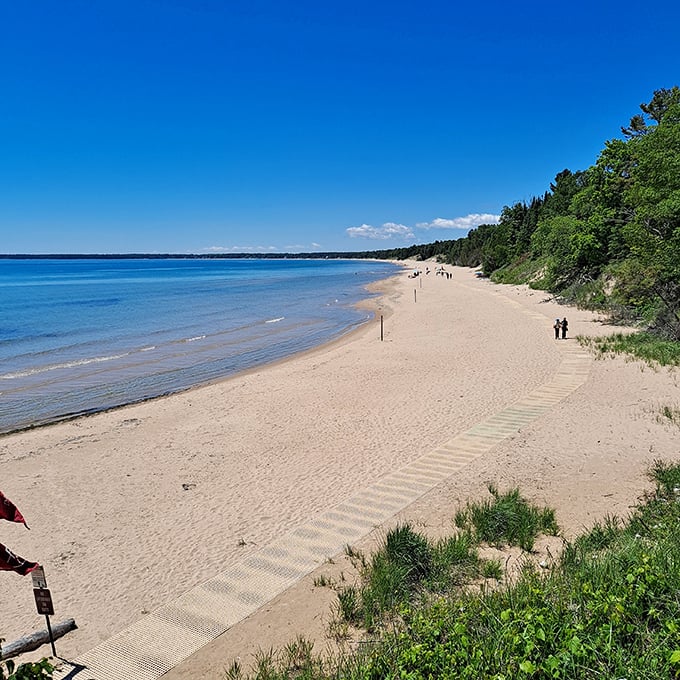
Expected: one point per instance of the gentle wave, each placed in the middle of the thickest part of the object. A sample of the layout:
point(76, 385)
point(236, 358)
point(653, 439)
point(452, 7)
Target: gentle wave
point(198, 337)
point(72, 364)
point(279, 318)
point(66, 364)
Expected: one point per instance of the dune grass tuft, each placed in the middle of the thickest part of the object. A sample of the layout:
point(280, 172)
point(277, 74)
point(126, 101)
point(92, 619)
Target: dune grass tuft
point(507, 519)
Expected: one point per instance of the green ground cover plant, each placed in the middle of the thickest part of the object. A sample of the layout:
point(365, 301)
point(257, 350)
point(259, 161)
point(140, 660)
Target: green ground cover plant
point(39, 670)
point(646, 347)
point(608, 608)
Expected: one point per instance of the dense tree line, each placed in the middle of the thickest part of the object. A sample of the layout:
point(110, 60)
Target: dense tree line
point(607, 236)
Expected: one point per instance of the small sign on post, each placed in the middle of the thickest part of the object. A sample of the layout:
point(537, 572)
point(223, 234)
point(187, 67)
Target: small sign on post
point(38, 576)
point(43, 600)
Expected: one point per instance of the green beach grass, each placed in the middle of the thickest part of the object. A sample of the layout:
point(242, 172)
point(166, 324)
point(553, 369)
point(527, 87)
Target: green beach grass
point(646, 347)
point(608, 607)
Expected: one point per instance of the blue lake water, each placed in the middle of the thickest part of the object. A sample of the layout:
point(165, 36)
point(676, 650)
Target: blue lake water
point(78, 336)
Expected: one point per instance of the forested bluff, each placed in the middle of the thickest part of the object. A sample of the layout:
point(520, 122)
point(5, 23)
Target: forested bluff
point(605, 238)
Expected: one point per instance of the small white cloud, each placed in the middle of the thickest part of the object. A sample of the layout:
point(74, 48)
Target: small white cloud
point(383, 233)
point(467, 222)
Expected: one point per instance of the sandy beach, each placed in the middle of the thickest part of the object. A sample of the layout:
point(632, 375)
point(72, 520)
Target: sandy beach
point(131, 508)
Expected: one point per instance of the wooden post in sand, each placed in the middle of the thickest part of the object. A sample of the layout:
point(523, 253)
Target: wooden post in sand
point(381, 328)
point(415, 299)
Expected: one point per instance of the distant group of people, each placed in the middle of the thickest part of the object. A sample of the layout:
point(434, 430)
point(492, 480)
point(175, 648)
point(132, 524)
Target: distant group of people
point(440, 270)
point(561, 327)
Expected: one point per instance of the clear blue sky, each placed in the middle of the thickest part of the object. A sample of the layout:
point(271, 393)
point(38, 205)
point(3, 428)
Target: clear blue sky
point(192, 126)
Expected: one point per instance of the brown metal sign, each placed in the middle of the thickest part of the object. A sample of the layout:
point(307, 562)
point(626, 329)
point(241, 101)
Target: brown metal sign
point(43, 601)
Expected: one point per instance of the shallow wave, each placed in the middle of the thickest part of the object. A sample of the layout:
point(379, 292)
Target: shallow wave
point(66, 364)
point(278, 318)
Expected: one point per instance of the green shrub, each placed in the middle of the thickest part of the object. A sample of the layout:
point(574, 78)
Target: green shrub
point(40, 670)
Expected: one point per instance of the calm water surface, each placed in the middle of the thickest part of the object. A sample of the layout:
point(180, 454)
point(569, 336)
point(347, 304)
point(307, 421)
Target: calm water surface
point(78, 336)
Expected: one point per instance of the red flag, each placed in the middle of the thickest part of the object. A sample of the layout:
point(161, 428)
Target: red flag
point(9, 511)
point(11, 562)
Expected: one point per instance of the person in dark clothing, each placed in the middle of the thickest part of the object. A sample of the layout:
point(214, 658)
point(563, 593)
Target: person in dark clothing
point(565, 328)
point(557, 326)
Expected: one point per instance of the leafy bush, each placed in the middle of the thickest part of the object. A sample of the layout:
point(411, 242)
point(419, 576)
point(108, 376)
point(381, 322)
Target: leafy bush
point(40, 670)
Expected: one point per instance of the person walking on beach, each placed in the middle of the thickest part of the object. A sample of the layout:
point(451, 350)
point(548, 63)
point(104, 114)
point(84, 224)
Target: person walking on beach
point(565, 328)
point(557, 326)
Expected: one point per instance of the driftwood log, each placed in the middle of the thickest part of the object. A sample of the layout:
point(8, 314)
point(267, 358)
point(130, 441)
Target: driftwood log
point(41, 637)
